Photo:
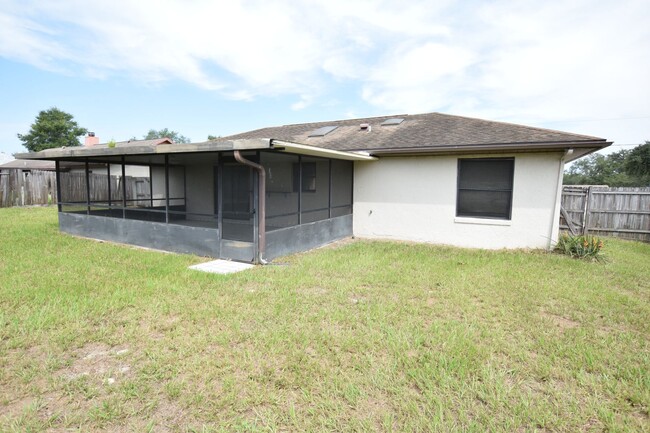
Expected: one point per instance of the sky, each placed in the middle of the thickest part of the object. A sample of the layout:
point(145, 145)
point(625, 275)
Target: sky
point(209, 67)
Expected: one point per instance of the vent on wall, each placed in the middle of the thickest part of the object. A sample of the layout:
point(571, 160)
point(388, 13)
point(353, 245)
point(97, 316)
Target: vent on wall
point(394, 121)
point(322, 131)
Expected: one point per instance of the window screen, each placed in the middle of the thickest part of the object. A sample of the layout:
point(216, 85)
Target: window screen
point(308, 180)
point(314, 204)
point(485, 187)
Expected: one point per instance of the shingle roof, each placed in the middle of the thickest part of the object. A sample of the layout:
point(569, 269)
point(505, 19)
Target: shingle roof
point(432, 130)
point(34, 164)
point(154, 142)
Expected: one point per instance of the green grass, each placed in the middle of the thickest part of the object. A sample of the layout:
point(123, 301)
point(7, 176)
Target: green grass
point(366, 336)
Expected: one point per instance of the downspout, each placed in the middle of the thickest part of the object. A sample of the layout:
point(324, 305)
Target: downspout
point(261, 204)
point(555, 224)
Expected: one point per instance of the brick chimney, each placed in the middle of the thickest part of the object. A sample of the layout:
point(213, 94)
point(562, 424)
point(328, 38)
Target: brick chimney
point(91, 140)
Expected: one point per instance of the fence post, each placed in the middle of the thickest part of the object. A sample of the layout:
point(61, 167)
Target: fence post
point(585, 219)
point(57, 166)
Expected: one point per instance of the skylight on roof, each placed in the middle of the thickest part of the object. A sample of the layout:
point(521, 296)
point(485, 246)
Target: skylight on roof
point(322, 131)
point(393, 121)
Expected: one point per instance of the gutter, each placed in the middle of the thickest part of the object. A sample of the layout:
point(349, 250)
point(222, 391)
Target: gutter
point(555, 224)
point(261, 204)
point(473, 148)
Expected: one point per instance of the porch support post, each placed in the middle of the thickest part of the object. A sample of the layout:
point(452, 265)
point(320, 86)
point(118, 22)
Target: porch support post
point(299, 189)
point(150, 186)
point(261, 203)
point(108, 176)
point(87, 188)
point(167, 189)
point(123, 188)
point(219, 195)
point(57, 167)
point(329, 194)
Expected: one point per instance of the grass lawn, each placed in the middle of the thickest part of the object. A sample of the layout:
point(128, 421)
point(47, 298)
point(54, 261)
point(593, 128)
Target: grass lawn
point(365, 336)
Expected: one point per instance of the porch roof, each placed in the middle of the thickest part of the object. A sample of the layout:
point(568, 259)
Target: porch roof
point(151, 147)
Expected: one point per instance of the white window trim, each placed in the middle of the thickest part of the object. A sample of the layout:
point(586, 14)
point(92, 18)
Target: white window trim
point(483, 221)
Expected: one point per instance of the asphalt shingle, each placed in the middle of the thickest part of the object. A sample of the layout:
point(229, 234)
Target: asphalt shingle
point(416, 131)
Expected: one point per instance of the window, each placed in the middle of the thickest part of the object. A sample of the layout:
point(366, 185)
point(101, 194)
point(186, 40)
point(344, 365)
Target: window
point(485, 188)
point(308, 177)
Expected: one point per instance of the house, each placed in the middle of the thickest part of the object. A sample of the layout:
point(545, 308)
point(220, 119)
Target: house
point(27, 166)
point(261, 194)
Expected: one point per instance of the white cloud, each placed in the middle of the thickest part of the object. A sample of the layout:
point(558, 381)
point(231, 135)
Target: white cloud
point(417, 78)
point(254, 47)
point(26, 40)
point(525, 61)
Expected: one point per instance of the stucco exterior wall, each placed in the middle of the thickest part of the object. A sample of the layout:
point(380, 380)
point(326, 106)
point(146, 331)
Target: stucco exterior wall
point(414, 198)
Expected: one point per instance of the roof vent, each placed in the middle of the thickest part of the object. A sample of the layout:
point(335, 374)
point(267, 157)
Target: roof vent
point(365, 127)
point(322, 131)
point(393, 121)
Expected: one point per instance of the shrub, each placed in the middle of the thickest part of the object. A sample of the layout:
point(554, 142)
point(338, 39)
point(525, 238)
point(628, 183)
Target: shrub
point(580, 247)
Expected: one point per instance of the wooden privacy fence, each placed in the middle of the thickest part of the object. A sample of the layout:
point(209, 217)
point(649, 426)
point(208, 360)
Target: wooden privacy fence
point(616, 211)
point(73, 189)
point(19, 188)
point(36, 187)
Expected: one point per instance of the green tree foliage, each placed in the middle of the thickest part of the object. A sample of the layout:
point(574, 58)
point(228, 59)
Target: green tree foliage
point(638, 162)
point(176, 137)
point(213, 137)
point(52, 128)
point(622, 168)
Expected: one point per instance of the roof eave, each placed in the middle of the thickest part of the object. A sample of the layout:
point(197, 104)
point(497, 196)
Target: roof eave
point(499, 147)
point(95, 151)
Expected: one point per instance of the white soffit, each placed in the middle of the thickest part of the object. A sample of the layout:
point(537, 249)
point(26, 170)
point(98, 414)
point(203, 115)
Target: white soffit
point(303, 149)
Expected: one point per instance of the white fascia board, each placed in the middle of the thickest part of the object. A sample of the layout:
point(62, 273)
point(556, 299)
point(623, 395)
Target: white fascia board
point(303, 149)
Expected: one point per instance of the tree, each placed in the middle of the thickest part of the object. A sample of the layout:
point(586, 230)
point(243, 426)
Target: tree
point(597, 169)
point(213, 137)
point(622, 168)
point(176, 137)
point(52, 128)
point(638, 162)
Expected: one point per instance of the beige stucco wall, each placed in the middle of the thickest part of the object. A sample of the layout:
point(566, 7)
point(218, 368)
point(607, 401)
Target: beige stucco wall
point(414, 198)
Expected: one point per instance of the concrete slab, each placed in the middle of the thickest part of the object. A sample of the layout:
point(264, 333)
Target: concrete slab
point(222, 267)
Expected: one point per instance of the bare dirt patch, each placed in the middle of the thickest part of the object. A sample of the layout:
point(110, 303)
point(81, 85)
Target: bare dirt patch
point(99, 362)
point(561, 322)
point(340, 243)
point(168, 416)
point(314, 290)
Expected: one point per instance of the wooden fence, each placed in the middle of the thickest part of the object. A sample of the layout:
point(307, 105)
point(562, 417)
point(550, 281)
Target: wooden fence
point(36, 187)
point(18, 188)
point(73, 189)
point(621, 212)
